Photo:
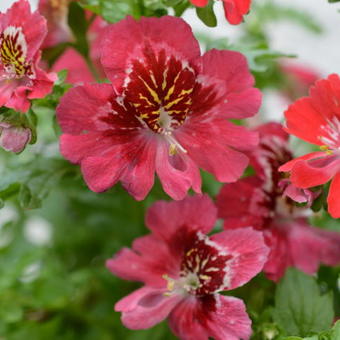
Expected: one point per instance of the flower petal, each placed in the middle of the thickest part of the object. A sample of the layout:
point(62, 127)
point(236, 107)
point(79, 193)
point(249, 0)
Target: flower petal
point(306, 174)
point(241, 204)
point(141, 264)
point(235, 10)
point(197, 213)
point(184, 321)
point(249, 254)
point(177, 173)
point(333, 199)
point(81, 107)
point(146, 307)
point(229, 71)
point(230, 321)
point(126, 40)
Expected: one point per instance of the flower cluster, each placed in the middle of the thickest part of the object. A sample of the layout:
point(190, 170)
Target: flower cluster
point(166, 110)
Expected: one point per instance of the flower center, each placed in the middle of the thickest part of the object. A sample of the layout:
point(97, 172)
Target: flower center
point(13, 50)
point(331, 139)
point(204, 268)
point(160, 89)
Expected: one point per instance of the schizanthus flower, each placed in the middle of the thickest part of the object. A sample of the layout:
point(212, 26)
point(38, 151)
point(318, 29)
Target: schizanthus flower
point(21, 79)
point(183, 270)
point(259, 201)
point(316, 119)
point(234, 10)
point(166, 111)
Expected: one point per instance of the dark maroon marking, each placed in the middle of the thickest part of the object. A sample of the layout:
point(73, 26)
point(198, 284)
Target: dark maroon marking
point(206, 262)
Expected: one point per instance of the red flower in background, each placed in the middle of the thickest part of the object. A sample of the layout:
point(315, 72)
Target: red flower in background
point(299, 78)
point(78, 71)
point(166, 111)
point(21, 79)
point(234, 9)
point(259, 201)
point(183, 270)
point(316, 119)
point(56, 12)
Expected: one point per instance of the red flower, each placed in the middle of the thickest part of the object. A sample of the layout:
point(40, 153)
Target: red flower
point(259, 201)
point(165, 112)
point(21, 79)
point(234, 9)
point(316, 119)
point(183, 270)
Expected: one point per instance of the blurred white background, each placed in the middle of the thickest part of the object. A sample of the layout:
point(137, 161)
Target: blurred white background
point(321, 52)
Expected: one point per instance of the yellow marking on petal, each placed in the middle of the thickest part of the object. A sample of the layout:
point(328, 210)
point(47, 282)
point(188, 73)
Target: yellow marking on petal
point(172, 88)
point(146, 99)
point(152, 92)
point(326, 149)
point(172, 150)
point(205, 277)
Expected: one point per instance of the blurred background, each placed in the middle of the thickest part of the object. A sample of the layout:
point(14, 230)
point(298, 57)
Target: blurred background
point(55, 235)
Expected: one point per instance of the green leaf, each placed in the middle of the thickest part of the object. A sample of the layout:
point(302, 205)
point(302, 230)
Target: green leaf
point(78, 24)
point(207, 15)
point(299, 308)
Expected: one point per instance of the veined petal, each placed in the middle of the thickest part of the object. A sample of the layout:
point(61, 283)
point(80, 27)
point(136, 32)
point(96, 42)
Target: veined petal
point(125, 40)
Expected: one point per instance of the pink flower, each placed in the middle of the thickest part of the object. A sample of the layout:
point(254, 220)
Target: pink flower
point(21, 79)
point(13, 138)
point(166, 111)
point(316, 119)
point(183, 270)
point(234, 9)
point(56, 12)
point(259, 201)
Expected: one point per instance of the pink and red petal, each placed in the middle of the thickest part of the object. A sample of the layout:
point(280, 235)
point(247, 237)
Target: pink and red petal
point(177, 173)
point(241, 204)
point(81, 107)
point(229, 72)
point(126, 40)
point(197, 213)
point(141, 264)
point(229, 321)
point(249, 254)
point(146, 307)
point(138, 176)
